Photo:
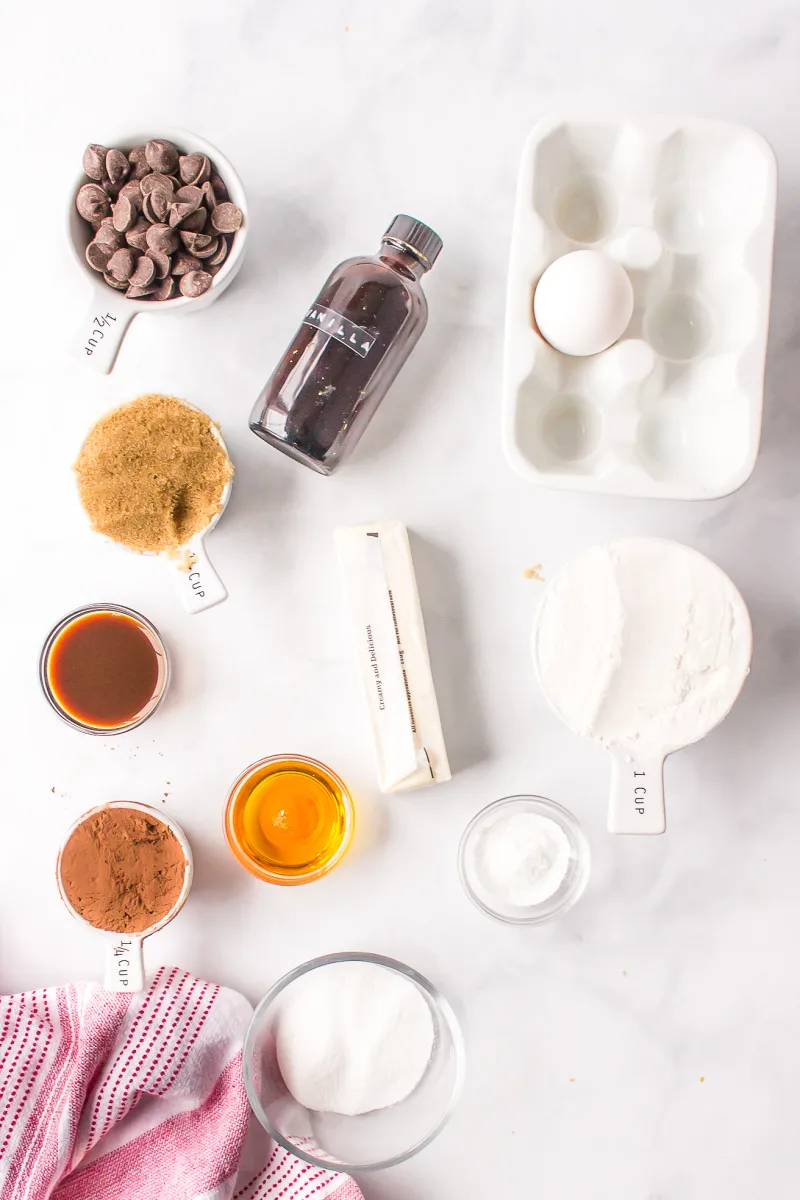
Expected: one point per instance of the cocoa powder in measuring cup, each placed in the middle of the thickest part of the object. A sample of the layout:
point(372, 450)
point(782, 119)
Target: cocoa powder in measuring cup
point(122, 870)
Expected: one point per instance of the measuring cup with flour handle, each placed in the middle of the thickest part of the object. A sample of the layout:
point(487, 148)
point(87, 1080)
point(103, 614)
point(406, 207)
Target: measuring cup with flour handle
point(110, 312)
point(636, 801)
point(124, 955)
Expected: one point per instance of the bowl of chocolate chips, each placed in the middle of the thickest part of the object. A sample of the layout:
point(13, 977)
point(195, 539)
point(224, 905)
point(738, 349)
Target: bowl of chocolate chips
point(157, 224)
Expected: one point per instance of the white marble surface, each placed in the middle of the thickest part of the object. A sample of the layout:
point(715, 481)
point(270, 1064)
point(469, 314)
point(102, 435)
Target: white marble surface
point(646, 1047)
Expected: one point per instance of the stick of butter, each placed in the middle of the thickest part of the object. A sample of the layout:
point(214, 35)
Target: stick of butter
point(393, 655)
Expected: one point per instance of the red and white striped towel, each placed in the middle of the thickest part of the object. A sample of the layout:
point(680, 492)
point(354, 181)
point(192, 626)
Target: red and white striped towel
point(105, 1096)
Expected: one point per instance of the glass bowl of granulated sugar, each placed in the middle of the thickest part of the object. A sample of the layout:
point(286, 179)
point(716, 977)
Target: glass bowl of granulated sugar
point(353, 1062)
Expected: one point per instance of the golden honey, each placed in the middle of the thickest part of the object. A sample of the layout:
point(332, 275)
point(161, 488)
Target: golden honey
point(289, 819)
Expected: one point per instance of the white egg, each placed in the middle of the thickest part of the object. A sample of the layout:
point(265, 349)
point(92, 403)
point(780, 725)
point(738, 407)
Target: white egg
point(583, 303)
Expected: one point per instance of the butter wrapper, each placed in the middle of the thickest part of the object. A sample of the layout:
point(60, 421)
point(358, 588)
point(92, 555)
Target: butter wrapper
point(393, 655)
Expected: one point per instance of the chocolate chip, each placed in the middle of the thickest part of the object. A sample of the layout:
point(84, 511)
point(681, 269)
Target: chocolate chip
point(210, 196)
point(125, 213)
point(137, 235)
point(195, 283)
point(138, 292)
point(193, 222)
point(194, 168)
point(165, 289)
point(194, 242)
point(117, 167)
point(162, 262)
point(133, 190)
point(158, 204)
point(107, 234)
point(216, 259)
point(190, 195)
point(119, 284)
point(92, 202)
point(122, 263)
point(180, 211)
point(161, 237)
point(182, 263)
point(138, 162)
point(94, 162)
point(207, 251)
point(112, 190)
point(226, 217)
point(153, 182)
point(147, 210)
point(161, 155)
point(98, 254)
point(220, 190)
point(144, 272)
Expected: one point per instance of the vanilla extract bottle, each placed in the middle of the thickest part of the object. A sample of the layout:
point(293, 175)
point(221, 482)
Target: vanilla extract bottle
point(351, 344)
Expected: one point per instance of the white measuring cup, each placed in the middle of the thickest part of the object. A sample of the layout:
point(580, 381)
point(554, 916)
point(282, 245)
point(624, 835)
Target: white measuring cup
point(110, 312)
point(574, 611)
point(124, 956)
point(198, 584)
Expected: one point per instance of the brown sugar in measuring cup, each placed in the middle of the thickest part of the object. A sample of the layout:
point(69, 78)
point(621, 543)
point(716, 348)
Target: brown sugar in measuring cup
point(104, 669)
point(154, 476)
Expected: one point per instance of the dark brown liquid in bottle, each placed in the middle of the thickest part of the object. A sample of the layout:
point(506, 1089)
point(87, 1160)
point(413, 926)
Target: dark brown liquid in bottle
point(332, 380)
point(103, 669)
point(354, 339)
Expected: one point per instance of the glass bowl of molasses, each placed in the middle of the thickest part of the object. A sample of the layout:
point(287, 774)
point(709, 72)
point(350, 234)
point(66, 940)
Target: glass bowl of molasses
point(104, 669)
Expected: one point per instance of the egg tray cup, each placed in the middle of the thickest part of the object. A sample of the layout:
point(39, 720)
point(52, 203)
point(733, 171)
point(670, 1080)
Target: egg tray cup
point(673, 409)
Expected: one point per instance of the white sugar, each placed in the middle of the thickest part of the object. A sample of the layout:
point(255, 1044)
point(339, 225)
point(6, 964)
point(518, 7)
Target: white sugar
point(353, 1037)
point(518, 859)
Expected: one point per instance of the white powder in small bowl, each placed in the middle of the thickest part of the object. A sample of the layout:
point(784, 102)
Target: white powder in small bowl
point(353, 1037)
point(517, 859)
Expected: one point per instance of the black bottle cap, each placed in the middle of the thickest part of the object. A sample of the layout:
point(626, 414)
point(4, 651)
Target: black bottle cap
point(410, 234)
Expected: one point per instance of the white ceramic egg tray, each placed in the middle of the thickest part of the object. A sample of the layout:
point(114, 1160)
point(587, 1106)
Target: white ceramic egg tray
point(674, 408)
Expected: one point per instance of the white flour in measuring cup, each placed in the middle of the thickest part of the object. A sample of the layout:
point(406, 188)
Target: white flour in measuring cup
point(642, 645)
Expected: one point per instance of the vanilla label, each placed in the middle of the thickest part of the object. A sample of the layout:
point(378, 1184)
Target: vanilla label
point(337, 326)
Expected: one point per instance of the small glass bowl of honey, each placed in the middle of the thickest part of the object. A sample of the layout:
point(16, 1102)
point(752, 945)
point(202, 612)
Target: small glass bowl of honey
point(104, 669)
point(289, 819)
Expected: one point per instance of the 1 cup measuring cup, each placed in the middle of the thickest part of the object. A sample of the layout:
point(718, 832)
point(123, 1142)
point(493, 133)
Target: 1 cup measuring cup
point(124, 958)
point(110, 313)
point(643, 646)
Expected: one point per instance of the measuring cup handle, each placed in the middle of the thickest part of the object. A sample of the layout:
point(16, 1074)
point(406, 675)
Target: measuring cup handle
point(636, 803)
point(102, 329)
point(124, 963)
point(198, 583)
